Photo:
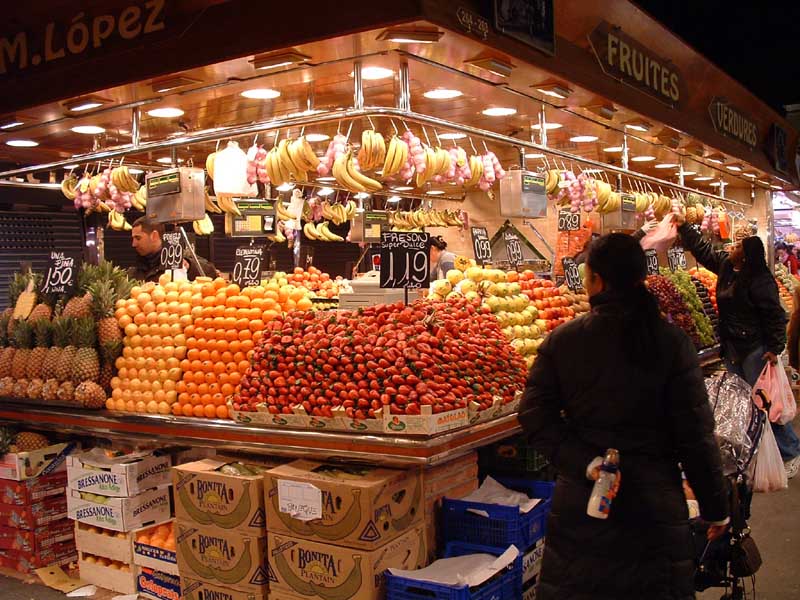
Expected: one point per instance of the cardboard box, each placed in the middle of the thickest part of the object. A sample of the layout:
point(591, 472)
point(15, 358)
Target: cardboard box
point(121, 514)
point(156, 585)
point(199, 590)
point(300, 567)
point(427, 423)
point(358, 506)
point(532, 562)
point(33, 516)
point(116, 580)
point(108, 544)
point(125, 476)
point(26, 562)
point(154, 557)
point(222, 557)
point(24, 465)
point(30, 491)
point(207, 497)
point(32, 541)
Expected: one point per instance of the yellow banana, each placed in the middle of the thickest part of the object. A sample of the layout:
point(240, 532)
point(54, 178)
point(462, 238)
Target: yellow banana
point(210, 164)
point(209, 204)
point(307, 153)
point(350, 210)
point(281, 213)
point(69, 186)
point(328, 234)
point(365, 152)
point(227, 205)
point(310, 231)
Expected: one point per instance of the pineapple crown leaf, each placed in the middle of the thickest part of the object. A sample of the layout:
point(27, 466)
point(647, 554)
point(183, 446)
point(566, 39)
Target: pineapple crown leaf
point(84, 332)
point(62, 331)
point(23, 334)
point(43, 333)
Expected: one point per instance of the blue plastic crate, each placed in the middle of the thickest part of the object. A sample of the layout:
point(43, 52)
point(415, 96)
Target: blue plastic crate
point(505, 525)
point(506, 585)
point(512, 590)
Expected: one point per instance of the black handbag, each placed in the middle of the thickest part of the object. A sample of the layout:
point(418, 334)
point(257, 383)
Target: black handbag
point(745, 557)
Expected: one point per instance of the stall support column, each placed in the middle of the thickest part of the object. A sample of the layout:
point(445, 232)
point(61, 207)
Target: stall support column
point(135, 134)
point(358, 86)
point(625, 151)
point(404, 88)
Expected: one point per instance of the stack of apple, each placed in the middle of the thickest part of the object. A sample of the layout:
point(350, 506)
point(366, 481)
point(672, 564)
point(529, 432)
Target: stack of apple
point(313, 280)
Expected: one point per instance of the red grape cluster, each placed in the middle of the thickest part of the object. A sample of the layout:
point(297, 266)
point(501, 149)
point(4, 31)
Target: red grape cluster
point(673, 306)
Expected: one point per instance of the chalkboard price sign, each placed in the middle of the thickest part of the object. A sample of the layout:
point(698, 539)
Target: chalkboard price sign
point(61, 275)
point(513, 248)
point(481, 245)
point(171, 250)
point(568, 220)
point(572, 274)
point(676, 258)
point(405, 260)
point(247, 266)
point(652, 261)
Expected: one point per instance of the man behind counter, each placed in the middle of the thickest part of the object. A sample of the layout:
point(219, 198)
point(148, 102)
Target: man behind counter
point(146, 240)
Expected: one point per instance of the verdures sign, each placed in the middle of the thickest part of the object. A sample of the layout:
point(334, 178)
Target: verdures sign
point(730, 121)
point(629, 61)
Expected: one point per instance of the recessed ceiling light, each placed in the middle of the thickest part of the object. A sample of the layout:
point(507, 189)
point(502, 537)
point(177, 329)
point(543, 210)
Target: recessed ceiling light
point(279, 59)
point(70, 167)
point(317, 137)
point(534, 155)
point(394, 199)
point(22, 143)
point(715, 184)
point(303, 113)
point(666, 166)
point(642, 126)
point(715, 158)
point(135, 171)
point(166, 160)
point(435, 192)
point(362, 196)
point(547, 126)
point(499, 111)
point(88, 129)
point(168, 84)
point(261, 94)
point(285, 187)
point(168, 112)
point(411, 35)
point(452, 136)
point(613, 149)
point(583, 138)
point(442, 94)
point(495, 66)
point(373, 73)
point(703, 178)
point(687, 173)
point(326, 179)
point(326, 191)
point(761, 181)
point(402, 188)
point(643, 158)
point(776, 187)
point(735, 168)
point(749, 175)
point(85, 103)
point(554, 90)
point(11, 124)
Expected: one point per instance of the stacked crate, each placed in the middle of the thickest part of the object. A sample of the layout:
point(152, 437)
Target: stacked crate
point(110, 498)
point(333, 530)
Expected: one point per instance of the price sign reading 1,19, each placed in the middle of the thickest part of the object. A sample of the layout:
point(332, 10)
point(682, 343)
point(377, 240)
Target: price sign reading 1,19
point(61, 274)
point(405, 260)
point(572, 274)
point(676, 258)
point(513, 248)
point(481, 245)
point(247, 266)
point(171, 251)
point(568, 220)
point(652, 261)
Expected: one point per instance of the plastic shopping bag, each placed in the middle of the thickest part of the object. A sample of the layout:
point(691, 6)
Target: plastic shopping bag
point(770, 475)
point(772, 389)
point(661, 238)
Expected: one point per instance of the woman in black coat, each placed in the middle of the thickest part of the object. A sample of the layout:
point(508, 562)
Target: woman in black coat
point(752, 322)
point(622, 377)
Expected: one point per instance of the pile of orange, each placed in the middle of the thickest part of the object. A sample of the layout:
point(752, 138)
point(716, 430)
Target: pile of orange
point(160, 536)
point(313, 280)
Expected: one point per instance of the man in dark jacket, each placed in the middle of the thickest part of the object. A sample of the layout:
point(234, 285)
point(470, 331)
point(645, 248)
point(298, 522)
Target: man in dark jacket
point(640, 390)
point(146, 240)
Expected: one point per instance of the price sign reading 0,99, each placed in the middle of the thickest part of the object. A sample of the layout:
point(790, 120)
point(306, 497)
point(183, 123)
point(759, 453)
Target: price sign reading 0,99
point(676, 258)
point(405, 261)
point(513, 248)
point(61, 275)
point(652, 261)
point(572, 275)
point(247, 266)
point(171, 250)
point(481, 245)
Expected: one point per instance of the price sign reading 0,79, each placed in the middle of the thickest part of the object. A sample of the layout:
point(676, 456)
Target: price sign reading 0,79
point(247, 266)
point(61, 275)
point(405, 261)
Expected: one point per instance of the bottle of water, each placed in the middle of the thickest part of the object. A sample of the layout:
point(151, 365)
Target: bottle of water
point(600, 501)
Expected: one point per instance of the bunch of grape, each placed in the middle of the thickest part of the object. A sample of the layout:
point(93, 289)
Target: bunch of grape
point(683, 282)
point(673, 306)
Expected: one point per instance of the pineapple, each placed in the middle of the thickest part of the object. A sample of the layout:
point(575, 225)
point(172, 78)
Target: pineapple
point(104, 296)
point(50, 390)
point(79, 306)
point(35, 389)
point(5, 319)
point(63, 368)
point(6, 386)
point(109, 352)
point(90, 395)
point(23, 340)
point(40, 312)
point(66, 393)
point(7, 438)
point(41, 332)
point(6, 361)
point(20, 388)
point(86, 366)
point(62, 333)
point(27, 441)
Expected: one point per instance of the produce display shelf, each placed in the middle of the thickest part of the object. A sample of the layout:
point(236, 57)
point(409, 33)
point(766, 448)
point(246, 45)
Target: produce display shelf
point(389, 449)
point(709, 355)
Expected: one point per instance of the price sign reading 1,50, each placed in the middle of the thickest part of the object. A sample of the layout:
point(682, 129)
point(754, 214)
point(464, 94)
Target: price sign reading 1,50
point(171, 251)
point(405, 261)
point(247, 266)
point(60, 277)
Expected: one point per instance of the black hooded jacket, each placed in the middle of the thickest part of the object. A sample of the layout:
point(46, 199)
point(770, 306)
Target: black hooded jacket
point(750, 311)
point(657, 417)
point(149, 268)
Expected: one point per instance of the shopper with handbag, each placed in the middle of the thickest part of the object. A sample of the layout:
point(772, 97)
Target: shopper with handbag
point(640, 391)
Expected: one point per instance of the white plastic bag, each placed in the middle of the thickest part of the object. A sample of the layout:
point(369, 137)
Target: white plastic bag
point(662, 237)
point(770, 475)
point(789, 404)
point(773, 387)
